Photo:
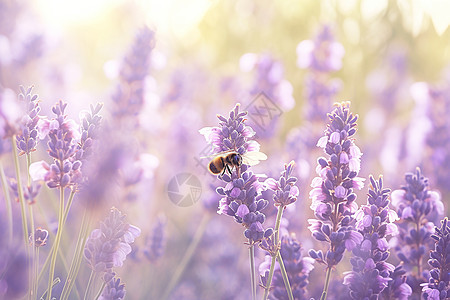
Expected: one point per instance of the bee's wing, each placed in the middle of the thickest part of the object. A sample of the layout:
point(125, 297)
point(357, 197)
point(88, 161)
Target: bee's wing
point(252, 158)
point(217, 154)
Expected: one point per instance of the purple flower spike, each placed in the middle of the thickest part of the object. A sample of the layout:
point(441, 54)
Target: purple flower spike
point(333, 200)
point(114, 290)
point(107, 247)
point(418, 209)
point(129, 96)
point(285, 190)
point(370, 273)
point(241, 194)
point(156, 241)
point(438, 286)
point(28, 139)
point(397, 288)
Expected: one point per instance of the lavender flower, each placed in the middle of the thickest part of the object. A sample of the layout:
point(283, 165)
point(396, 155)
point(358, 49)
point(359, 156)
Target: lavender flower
point(333, 200)
point(108, 246)
point(370, 271)
point(321, 56)
point(129, 95)
point(297, 268)
point(30, 192)
point(90, 123)
point(285, 190)
point(438, 286)
point(397, 288)
point(28, 139)
point(269, 81)
point(40, 237)
point(113, 290)
point(240, 195)
point(156, 242)
point(434, 105)
point(63, 134)
point(416, 206)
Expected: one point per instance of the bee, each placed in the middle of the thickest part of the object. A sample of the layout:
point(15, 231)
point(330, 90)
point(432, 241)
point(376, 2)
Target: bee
point(228, 160)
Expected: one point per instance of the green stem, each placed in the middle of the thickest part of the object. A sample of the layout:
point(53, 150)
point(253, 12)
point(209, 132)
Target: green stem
point(47, 260)
point(92, 278)
point(100, 291)
point(187, 256)
point(285, 276)
point(33, 258)
point(33, 286)
point(252, 270)
point(274, 255)
point(327, 281)
point(77, 258)
point(55, 282)
point(20, 192)
point(57, 240)
point(269, 278)
point(36, 270)
point(8, 204)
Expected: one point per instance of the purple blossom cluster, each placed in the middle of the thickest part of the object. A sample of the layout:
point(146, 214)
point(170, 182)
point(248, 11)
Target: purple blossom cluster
point(321, 56)
point(156, 241)
point(333, 200)
point(62, 147)
point(269, 78)
point(241, 194)
point(396, 288)
point(437, 107)
point(285, 190)
point(114, 290)
point(108, 246)
point(89, 127)
point(129, 97)
point(28, 139)
point(418, 208)
point(297, 268)
point(30, 192)
point(438, 286)
point(370, 271)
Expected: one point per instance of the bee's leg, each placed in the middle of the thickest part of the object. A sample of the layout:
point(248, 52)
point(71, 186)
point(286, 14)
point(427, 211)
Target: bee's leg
point(238, 171)
point(228, 169)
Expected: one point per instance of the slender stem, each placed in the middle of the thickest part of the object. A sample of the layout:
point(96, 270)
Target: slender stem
point(327, 282)
point(100, 290)
point(33, 286)
point(252, 270)
point(66, 212)
point(274, 255)
point(89, 284)
point(278, 222)
point(77, 258)
point(36, 270)
point(187, 256)
point(20, 191)
point(55, 282)
point(285, 276)
point(33, 253)
point(269, 278)
point(8, 203)
point(57, 240)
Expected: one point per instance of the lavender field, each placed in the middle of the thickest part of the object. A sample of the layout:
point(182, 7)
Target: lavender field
point(224, 149)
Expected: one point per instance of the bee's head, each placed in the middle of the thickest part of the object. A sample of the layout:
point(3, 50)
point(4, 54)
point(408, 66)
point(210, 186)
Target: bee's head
point(236, 159)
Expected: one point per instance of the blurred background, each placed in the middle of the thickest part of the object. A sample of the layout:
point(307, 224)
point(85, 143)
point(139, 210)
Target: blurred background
point(390, 59)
